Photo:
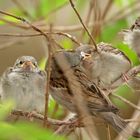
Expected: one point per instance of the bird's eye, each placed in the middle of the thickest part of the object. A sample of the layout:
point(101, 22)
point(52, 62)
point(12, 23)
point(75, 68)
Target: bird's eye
point(34, 64)
point(21, 62)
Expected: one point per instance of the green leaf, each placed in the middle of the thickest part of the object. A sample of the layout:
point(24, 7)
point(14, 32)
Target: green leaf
point(125, 92)
point(8, 131)
point(121, 3)
point(42, 63)
point(5, 109)
point(14, 11)
point(25, 131)
point(109, 32)
point(9, 19)
point(52, 104)
point(67, 44)
point(129, 53)
point(2, 22)
point(80, 4)
point(118, 2)
point(48, 5)
point(35, 132)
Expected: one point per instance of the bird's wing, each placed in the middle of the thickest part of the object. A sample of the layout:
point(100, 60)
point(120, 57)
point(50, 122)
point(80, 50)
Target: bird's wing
point(3, 78)
point(7, 71)
point(96, 99)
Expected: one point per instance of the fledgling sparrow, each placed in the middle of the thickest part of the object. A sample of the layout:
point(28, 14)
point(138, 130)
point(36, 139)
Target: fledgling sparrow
point(97, 104)
point(24, 83)
point(105, 66)
point(132, 36)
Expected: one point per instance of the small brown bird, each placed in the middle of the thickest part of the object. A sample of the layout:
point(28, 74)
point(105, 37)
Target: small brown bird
point(25, 84)
point(136, 25)
point(97, 103)
point(106, 66)
point(132, 36)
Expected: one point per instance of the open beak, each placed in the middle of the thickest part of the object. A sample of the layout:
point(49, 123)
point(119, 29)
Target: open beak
point(87, 60)
point(28, 65)
point(85, 55)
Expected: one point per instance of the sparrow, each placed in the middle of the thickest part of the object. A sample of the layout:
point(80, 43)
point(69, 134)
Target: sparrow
point(131, 36)
point(106, 66)
point(24, 83)
point(97, 103)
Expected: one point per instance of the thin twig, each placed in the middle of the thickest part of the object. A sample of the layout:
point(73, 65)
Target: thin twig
point(21, 8)
point(122, 11)
point(58, 8)
point(48, 77)
point(130, 75)
point(125, 12)
point(80, 135)
point(41, 117)
point(73, 28)
point(75, 88)
point(64, 129)
point(108, 132)
point(88, 17)
point(14, 23)
point(132, 120)
point(68, 128)
point(126, 101)
point(72, 38)
point(102, 17)
point(133, 126)
point(73, 6)
point(97, 16)
point(107, 8)
point(56, 107)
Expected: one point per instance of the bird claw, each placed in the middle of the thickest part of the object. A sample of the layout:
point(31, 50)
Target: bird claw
point(125, 78)
point(31, 114)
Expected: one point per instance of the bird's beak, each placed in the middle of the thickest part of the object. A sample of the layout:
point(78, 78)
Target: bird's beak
point(28, 65)
point(85, 55)
point(87, 61)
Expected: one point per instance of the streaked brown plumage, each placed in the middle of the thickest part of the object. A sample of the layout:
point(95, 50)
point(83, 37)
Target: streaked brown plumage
point(106, 66)
point(97, 103)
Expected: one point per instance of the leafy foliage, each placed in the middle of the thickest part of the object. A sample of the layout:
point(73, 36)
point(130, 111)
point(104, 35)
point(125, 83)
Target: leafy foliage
point(47, 6)
point(22, 130)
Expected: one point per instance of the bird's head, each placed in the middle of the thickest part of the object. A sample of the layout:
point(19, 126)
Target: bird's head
point(26, 63)
point(85, 51)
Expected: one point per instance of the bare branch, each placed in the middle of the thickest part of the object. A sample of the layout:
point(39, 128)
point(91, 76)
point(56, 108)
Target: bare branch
point(107, 8)
point(72, 38)
point(133, 126)
point(73, 6)
point(48, 78)
point(126, 101)
point(58, 8)
point(88, 17)
point(132, 120)
point(108, 132)
point(22, 9)
point(41, 117)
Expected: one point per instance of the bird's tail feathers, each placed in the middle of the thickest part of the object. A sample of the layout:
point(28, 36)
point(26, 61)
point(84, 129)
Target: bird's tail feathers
point(119, 124)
